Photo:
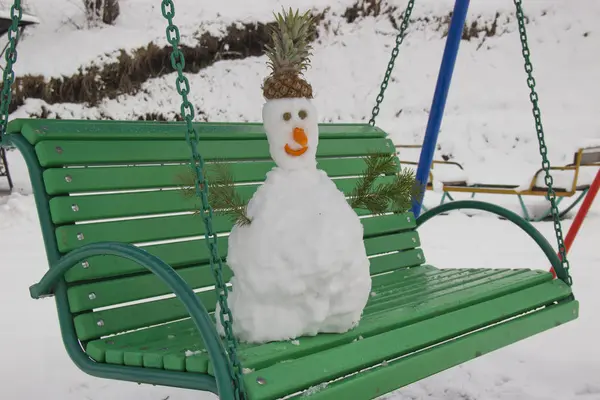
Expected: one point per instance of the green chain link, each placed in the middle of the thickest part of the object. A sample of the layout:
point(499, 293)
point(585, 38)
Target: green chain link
point(537, 115)
point(192, 138)
point(390, 67)
point(16, 13)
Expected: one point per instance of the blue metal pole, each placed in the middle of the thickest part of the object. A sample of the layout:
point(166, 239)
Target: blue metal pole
point(439, 100)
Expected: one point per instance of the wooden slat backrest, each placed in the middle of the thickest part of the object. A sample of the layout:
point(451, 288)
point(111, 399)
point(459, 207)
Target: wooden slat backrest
point(119, 181)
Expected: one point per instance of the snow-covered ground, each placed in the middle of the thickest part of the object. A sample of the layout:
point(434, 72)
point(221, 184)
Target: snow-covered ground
point(487, 128)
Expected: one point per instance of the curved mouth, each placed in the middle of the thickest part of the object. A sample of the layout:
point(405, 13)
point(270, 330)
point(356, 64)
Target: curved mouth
point(300, 138)
point(295, 153)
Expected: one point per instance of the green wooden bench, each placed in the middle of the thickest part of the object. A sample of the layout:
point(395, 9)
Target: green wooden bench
point(121, 239)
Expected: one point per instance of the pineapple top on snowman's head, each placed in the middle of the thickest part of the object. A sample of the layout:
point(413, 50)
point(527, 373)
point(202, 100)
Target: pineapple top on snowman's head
point(289, 117)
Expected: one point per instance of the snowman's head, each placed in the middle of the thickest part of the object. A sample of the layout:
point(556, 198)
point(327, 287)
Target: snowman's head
point(293, 132)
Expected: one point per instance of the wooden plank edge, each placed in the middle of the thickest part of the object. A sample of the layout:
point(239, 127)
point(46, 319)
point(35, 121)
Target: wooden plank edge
point(385, 378)
point(393, 344)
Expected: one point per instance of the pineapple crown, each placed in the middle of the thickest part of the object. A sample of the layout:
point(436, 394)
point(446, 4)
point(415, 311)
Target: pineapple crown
point(289, 55)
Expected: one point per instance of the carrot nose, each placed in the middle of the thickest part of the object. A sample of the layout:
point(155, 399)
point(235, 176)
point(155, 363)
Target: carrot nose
point(300, 137)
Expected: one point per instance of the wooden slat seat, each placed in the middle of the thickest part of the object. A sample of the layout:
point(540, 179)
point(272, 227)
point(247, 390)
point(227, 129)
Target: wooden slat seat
point(111, 181)
point(411, 295)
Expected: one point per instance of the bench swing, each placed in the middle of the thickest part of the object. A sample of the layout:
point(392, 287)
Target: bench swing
point(119, 245)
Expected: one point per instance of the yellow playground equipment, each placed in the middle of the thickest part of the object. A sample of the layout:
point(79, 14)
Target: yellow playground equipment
point(457, 182)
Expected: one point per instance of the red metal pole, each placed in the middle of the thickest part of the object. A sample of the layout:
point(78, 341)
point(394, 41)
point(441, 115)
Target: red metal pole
point(581, 213)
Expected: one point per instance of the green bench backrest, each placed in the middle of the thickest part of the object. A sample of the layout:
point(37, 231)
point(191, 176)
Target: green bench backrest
point(119, 181)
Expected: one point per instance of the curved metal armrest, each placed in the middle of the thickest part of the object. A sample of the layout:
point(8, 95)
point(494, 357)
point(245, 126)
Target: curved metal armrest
point(509, 215)
point(168, 275)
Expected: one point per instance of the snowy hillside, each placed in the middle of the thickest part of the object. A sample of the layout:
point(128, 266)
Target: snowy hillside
point(487, 127)
point(488, 120)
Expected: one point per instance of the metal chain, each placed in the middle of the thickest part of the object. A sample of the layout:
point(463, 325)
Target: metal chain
point(16, 13)
point(192, 138)
point(551, 195)
point(390, 67)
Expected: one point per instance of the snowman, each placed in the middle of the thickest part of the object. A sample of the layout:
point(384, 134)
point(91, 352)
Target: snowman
point(300, 267)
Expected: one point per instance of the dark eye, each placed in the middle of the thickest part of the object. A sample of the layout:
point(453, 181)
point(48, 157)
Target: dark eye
point(302, 114)
point(287, 116)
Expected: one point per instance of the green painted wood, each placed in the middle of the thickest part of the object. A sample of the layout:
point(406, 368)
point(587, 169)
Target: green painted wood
point(402, 276)
point(176, 254)
point(396, 374)
point(36, 130)
point(182, 361)
point(426, 280)
point(140, 315)
point(165, 349)
point(112, 349)
point(16, 125)
point(134, 357)
point(53, 153)
point(166, 354)
point(77, 180)
point(396, 293)
point(429, 304)
point(177, 361)
point(406, 370)
point(107, 322)
point(408, 294)
point(403, 284)
point(449, 283)
point(150, 354)
point(393, 261)
point(190, 345)
point(88, 296)
point(70, 237)
point(185, 342)
point(352, 357)
point(67, 209)
point(153, 357)
point(116, 291)
point(408, 285)
point(393, 242)
point(195, 252)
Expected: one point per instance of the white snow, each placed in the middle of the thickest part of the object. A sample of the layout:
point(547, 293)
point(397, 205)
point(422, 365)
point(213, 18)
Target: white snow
point(488, 128)
point(301, 266)
point(296, 135)
point(6, 14)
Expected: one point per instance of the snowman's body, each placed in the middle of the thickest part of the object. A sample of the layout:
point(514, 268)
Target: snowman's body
point(300, 267)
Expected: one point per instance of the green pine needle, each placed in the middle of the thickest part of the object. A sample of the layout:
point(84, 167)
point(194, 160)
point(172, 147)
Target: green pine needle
point(377, 164)
point(395, 196)
point(222, 196)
